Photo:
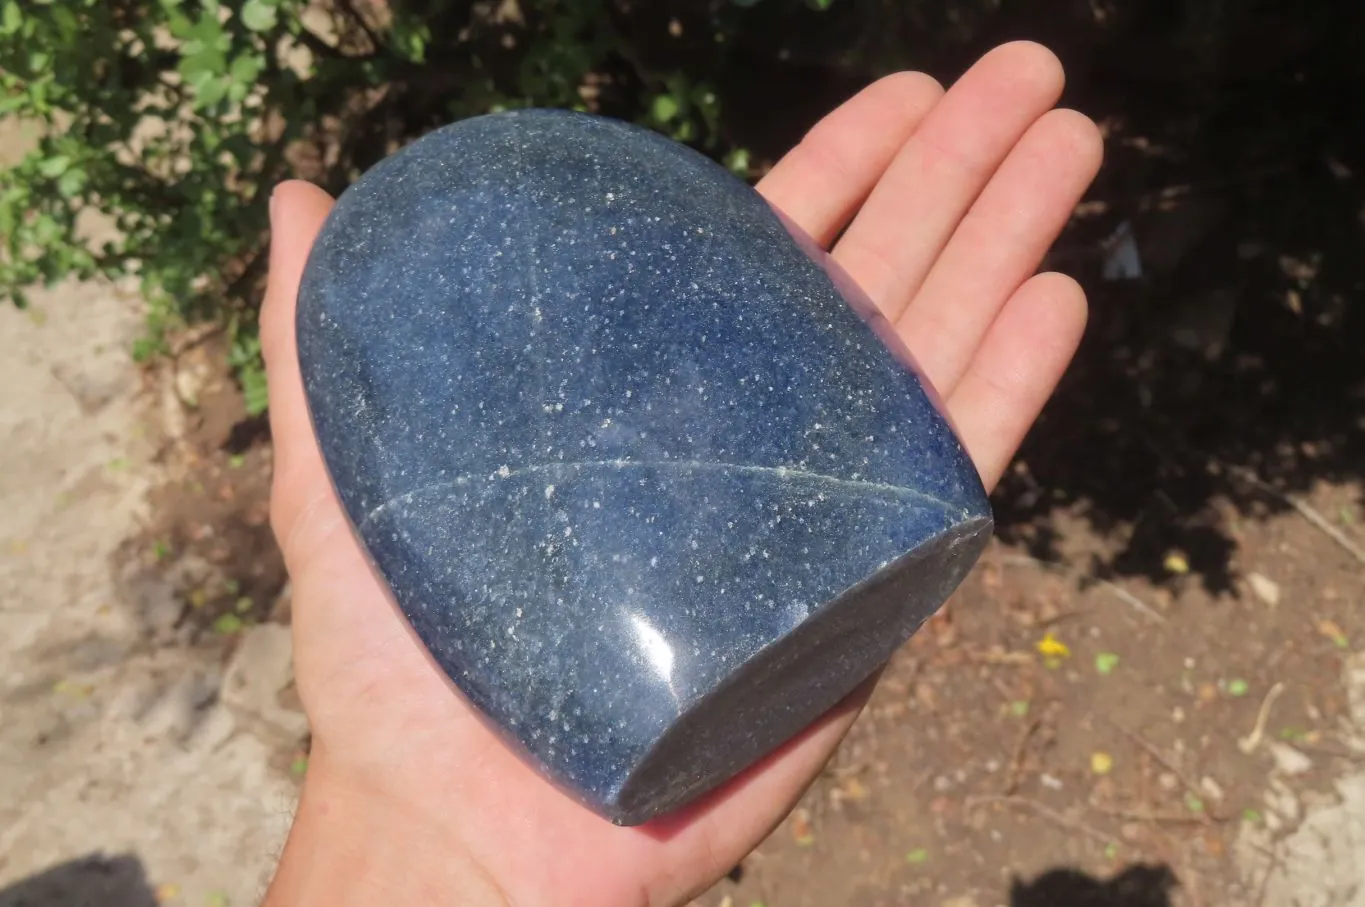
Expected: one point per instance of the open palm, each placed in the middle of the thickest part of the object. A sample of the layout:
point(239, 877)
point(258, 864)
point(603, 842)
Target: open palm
point(942, 206)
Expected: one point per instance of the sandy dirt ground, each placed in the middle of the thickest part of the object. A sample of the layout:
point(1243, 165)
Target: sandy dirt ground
point(124, 774)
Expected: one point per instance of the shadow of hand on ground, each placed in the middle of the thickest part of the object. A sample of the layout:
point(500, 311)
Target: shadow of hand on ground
point(92, 881)
point(1139, 885)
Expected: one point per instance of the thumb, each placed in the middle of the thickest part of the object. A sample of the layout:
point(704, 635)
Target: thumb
point(301, 499)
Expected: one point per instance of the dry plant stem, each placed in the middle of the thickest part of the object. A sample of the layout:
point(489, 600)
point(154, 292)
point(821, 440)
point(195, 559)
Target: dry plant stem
point(1143, 815)
point(1190, 784)
point(1047, 813)
point(1249, 743)
point(1306, 510)
point(1123, 595)
point(1017, 758)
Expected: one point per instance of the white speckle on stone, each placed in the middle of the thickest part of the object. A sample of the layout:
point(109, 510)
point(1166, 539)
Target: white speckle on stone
point(549, 492)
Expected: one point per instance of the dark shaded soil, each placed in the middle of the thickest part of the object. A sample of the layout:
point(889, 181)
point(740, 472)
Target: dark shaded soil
point(210, 526)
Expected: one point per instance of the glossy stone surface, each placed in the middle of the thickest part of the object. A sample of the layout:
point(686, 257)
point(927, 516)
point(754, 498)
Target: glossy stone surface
point(644, 481)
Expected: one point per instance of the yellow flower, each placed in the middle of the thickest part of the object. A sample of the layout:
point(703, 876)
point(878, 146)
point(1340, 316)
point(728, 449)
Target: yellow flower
point(1052, 647)
point(1101, 763)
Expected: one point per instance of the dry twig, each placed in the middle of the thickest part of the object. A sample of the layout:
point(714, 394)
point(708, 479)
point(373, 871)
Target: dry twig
point(1249, 743)
point(1306, 510)
point(1017, 758)
point(1190, 784)
point(1044, 811)
point(1123, 595)
point(1143, 815)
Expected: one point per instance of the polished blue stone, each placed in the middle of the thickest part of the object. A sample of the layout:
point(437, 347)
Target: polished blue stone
point(652, 486)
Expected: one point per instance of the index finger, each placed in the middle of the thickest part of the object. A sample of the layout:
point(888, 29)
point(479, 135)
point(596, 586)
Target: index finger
point(821, 182)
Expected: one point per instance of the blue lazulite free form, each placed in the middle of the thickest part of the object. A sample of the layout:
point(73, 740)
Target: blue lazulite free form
point(649, 480)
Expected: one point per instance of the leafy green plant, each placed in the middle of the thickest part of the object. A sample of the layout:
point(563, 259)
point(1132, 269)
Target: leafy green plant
point(170, 119)
point(164, 124)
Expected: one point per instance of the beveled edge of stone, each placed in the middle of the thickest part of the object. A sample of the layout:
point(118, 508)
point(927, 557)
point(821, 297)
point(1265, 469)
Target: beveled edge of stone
point(865, 625)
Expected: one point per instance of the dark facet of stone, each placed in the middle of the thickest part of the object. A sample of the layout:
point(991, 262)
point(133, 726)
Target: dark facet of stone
point(653, 487)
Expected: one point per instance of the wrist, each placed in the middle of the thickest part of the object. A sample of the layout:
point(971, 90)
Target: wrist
point(351, 846)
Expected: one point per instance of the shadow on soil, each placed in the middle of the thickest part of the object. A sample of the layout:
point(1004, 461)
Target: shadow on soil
point(1226, 376)
point(1232, 366)
point(1136, 886)
point(93, 881)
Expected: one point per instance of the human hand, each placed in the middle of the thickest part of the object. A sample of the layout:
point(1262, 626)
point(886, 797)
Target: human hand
point(943, 205)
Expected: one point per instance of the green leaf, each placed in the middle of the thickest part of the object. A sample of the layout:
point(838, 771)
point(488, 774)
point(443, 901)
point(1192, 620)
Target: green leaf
point(246, 68)
point(258, 15)
point(210, 92)
point(71, 182)
point(228, 624)
point(255, 390)
point(409, 38)
point(917, 856)
point(1105, 662)
point(665, 108)
point(54, 166)
point(204, 63)
point(12, 18)
point(1237, 687)
point(737, 161)
point(67, 23)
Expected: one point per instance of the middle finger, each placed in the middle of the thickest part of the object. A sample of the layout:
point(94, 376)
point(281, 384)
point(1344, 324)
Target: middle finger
point(909, 217)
